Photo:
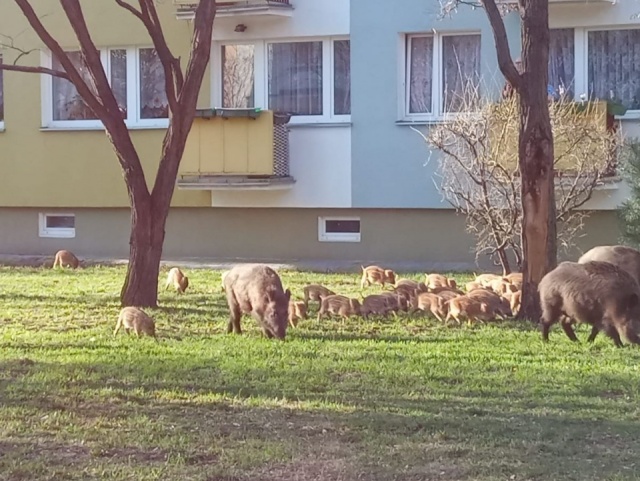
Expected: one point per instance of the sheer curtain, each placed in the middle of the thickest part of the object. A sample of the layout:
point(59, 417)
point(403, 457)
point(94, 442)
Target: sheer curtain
point(118, 78)
point(342, 77)
point(238, 76)
point(562, 61)
point(67, 104)
point(461, 71)
point(295, 77)
point(1, 93)
point(420, 74)
point(614, 66)
point(153, 96)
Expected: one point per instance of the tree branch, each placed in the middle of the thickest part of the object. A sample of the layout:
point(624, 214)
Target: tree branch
point(505, 62)
point(131, 9)
point(41, 70)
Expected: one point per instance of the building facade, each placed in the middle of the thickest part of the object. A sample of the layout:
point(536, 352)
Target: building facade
point(357, 75)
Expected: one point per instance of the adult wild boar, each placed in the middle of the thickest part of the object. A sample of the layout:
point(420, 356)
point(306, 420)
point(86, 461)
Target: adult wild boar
point(626, 258)
point(596, 293)
point(256, 289)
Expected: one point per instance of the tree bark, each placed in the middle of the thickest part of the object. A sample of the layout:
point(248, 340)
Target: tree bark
point(536, 157)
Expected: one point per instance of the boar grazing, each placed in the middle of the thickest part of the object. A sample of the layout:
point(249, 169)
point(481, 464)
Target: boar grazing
point(375, 274)
point(297, 311)
point(256, 289)
point(136, 319)
point(379, 305)
point(465, 307)
point(626, 258)
point(432, 303)
point(315, 292)
point(177, 278)
point(65, 258)
point(438, 280)
point(339, 306)
point(596, 293)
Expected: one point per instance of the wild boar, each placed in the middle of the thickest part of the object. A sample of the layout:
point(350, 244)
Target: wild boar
point(376, 274)
point(340, 306)
point(485, 279)
point(315, 292)
point(446, 294)
point(136, 319)
point(256, 289)
point(377, 304)
point(498, 304)
point(407, 296)
point(222, 276)
point(515, 278)
point(596, 293)
point(502, 286)
point(515, 302)
point(469, 308)
point(438, 290)
point(438, 280)
point(625, 257)
point(432, 303)
point(469, 286)
point(65, 258)
point(177, 278)
point(297, 311)
point(409, 283)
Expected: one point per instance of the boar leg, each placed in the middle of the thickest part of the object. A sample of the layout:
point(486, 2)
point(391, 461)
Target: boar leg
point(594, 333)
point(267, 333)
point(550, 315)
point(613, 333)
point(568, 330)
point(630, 334)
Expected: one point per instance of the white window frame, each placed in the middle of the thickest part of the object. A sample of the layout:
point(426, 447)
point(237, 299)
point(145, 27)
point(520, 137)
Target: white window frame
point(55, 232)
point(437, 110)
point(3, 97)
point(581, 60)
point(324, 236)
point(133, 119)
point(261, 74)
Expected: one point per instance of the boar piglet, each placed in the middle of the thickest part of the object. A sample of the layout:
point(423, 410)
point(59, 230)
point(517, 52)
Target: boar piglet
point(379, 304)
point(65, 258)
point(297, 311)
point(256, 289)
point(340, 306)
point(469, 308)
point(596, 293)
point(376, 274)
point(315, 292)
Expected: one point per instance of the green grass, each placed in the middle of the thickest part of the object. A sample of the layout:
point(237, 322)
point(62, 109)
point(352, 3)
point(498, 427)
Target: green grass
point(398, 399)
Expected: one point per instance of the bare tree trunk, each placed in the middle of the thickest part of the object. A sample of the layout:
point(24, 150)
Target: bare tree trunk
point(536, 158)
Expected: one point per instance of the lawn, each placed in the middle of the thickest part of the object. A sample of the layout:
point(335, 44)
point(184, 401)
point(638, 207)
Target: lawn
point(398, 399)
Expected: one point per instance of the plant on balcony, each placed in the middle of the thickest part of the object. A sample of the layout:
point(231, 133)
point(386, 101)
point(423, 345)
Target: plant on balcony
point(479, 176)
point(149, 208)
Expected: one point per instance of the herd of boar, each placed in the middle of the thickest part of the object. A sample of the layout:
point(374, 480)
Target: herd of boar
point(602, 289)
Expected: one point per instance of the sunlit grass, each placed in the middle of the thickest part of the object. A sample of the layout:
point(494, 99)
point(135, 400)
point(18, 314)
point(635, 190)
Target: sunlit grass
point(405, 399)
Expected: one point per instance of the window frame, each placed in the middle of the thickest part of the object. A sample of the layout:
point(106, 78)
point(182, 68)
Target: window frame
point(437, 72)
point(133, 119)
point(581, 60)
point(55, 232)
point(4, 110)
point(324, 236)
point(261, 76)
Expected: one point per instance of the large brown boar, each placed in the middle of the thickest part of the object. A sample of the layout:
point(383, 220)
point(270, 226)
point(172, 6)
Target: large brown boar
point(340, 306)
point(596, 293)
point(256, 289)
point(626, 258)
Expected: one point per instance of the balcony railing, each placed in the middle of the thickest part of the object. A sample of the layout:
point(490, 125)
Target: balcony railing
point(235, 8)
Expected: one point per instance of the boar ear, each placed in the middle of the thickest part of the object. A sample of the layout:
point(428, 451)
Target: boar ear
point(287, 293)
point(632, 301)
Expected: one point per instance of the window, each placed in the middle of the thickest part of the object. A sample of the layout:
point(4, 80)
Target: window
point(137, 80)
point(1, 97)
point(442, 74)
point(597, 63)
point(339, 229)
point(57, 225)
point(309, 79)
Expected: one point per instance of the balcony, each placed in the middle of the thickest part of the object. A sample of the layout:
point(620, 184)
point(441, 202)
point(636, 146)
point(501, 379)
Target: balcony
point(238, 8)
point(236, 149)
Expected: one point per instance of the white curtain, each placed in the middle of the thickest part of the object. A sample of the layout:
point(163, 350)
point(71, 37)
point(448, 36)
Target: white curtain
point(238, 78)
point(118, 64)
point(461, 72)
point(342, 77)
point(562, 61)
point(420, 74)
point(614, 66)
point(153, 95)
point(67, 104)
point(1, 93)
point(295, 77)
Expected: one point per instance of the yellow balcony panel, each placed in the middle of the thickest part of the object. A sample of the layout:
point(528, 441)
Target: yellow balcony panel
point(238, 8)
point(236, 149)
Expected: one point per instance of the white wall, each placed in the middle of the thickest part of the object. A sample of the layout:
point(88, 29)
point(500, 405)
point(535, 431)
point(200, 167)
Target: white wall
point(321, 165)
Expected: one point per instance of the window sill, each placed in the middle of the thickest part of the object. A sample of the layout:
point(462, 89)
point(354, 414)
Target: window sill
point(54, 128)
point(632, 115)
point(320, 124)
point(1, 127)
